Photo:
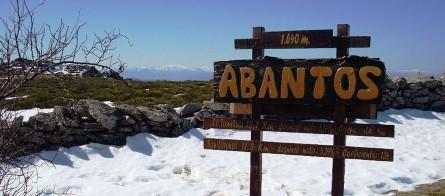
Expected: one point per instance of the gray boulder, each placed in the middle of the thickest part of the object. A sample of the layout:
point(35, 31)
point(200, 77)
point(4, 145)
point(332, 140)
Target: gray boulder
point(437, 104)
point(66, 116)
point(104, 114)
point(401, 82)
point(415, 86)
point(390, 84)
point(43, 122)
point(189, 123)
point(171, 113)
point(432, 83)
point(189, 109)
point(153, 115)
point(204, 114)
point(131, 111)
point(420, 100)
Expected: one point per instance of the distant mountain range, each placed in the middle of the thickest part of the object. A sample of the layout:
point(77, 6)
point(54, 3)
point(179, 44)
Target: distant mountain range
point(170, 72)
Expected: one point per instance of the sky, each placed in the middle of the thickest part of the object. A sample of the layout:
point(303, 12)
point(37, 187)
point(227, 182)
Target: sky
point(408, 35)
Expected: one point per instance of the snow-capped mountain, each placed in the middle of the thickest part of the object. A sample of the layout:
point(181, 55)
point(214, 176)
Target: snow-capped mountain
point(168, 72)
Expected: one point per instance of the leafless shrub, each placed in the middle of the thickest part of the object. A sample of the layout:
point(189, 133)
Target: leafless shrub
point(27, 50)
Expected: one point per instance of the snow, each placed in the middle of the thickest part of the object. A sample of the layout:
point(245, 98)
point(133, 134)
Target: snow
point(150, 165)
point(31, 112)
point(18, 97)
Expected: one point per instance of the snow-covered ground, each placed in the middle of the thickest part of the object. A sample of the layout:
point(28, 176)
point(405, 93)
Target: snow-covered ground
point(149, 165)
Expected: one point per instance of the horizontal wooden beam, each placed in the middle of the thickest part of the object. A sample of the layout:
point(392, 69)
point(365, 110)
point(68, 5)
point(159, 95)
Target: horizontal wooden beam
point(377, 154)
point(373, 130)
point(296, 111)
point(332, 42)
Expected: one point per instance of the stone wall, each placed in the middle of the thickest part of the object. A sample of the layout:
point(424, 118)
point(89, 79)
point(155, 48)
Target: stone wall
point(93, 121)
point(423, 95)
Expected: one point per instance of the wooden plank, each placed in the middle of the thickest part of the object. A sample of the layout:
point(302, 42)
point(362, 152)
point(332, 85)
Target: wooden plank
point(303, 39)
point(338, 164)
point(297, 39)
point(374, 130)
point(377, 154)
point(298, 111)
point(289, 39)
point(296, 81)
point(256, 158)
point(351, 41)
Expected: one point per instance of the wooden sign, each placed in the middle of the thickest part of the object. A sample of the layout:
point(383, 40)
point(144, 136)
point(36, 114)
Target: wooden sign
point(373, 130)
point(295, 111)
point(376, 154)
point(303, 39)
point(265, 92)
point(298, 81)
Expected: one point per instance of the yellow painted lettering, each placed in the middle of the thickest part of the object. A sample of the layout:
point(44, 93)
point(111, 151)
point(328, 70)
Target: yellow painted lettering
point(247, 87)
point(372, 92)
point(352, 82)
point(319, 87)
point(295, 85)
point(228, 82)
point(268, 84)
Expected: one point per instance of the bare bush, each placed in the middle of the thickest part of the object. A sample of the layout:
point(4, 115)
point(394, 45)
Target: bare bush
point(27, 50)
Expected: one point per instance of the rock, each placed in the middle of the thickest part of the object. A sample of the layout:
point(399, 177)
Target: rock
point(117, 139)
point(81, 107)
point(17, 122)
point(400, 101)
point(204, 114)
point(432, 83)
point(153, 115)
point(414, 86)
point(401, 82)
point(124, 129)
point(433, 97)
point(104, 114)
point(72, 131)
point(43, 122)
point(171, 113)
point(390, 84)
point(407, 93)
point(420, 100)
point(215, 106)
point(422, 92)
point(93, 127)
point(131, 111)
point(127, 121)
point(189, 109)
point(393, 93)
point(189, 123)
point(35, 140)
point(437, 104)
point(66, 116)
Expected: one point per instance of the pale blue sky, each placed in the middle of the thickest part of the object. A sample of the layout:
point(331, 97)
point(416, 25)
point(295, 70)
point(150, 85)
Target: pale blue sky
point(406, 34)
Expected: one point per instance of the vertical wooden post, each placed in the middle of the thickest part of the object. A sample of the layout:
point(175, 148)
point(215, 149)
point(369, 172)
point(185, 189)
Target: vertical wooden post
point(338, 164)
point(256, 158)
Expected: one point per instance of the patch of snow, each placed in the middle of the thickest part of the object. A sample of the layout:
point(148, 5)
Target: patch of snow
point(109, 103)
point(179, 94)
point(31, 112)
point(150, 165)
point(147, 89)
point(18, 97)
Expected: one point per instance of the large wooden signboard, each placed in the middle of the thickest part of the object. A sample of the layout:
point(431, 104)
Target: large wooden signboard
point(337, 88)
point(322, 81)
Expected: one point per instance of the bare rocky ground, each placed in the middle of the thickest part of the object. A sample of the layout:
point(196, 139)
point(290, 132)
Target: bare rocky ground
point(434, 189)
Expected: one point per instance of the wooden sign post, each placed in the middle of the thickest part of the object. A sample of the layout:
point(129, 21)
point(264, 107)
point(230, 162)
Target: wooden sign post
point(279, 94)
